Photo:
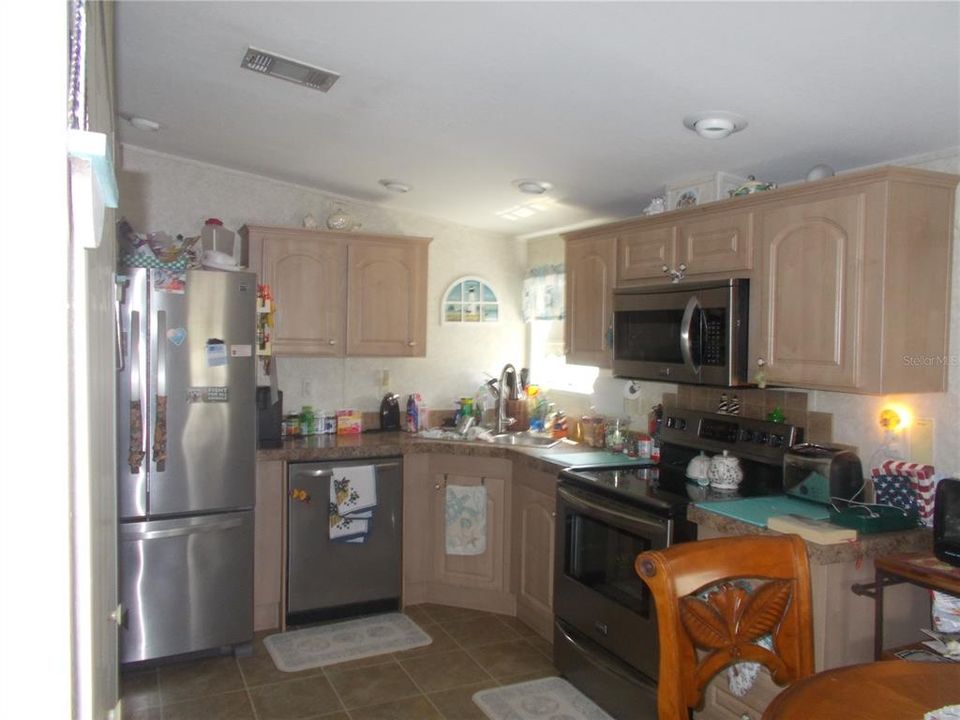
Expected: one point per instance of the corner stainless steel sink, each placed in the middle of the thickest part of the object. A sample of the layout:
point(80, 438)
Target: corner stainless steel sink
point(525, 440)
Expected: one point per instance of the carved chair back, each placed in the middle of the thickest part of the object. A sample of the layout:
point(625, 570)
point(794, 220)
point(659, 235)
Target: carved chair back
point(715, 599)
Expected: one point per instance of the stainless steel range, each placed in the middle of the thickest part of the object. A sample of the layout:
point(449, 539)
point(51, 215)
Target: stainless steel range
point(605, 633)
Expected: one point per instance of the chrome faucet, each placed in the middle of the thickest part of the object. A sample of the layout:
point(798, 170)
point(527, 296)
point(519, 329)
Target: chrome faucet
point(503, 422)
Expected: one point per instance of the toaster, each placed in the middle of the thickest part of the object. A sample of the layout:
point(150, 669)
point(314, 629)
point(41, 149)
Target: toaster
point(822, 473)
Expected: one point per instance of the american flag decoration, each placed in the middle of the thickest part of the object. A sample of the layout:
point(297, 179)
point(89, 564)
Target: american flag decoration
point(897, 480)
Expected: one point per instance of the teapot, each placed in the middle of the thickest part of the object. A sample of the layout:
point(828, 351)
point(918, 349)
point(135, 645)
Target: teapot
point(698, 469)
point(725, 472)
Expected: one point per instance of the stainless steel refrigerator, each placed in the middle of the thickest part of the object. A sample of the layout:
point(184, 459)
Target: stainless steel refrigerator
point(187, 444)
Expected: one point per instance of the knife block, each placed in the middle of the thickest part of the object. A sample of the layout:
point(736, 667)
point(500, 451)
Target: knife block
point(519, 411)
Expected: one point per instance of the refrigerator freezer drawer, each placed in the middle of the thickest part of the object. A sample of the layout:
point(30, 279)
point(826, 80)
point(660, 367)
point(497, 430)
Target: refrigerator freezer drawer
point(323, 574)
point(187, 584)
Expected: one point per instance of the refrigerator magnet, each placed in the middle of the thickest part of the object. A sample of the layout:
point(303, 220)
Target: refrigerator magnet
point(216, 353)
point(177, 335)
point(241, 351)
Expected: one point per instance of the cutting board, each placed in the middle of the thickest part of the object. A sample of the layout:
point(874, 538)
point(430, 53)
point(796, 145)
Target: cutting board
point(756, 510)
point(596, 458)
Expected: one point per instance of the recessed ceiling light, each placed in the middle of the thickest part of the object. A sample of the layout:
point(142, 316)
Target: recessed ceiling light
point(532, 187)
point(396, 186)
point(144, 124)
point(714, 125)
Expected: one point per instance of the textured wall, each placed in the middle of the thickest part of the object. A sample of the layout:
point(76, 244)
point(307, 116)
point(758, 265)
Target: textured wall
point(164, 192)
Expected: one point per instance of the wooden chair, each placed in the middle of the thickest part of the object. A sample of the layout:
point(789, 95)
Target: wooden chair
point(700, 637)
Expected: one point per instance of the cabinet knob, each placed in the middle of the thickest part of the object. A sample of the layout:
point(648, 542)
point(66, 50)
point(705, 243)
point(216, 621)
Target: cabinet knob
point(411, 343)
point(331, 342)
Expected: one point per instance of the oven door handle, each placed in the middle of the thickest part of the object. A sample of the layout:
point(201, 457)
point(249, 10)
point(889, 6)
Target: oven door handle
point(686, 327)
point(594, 659)
point(631, 521)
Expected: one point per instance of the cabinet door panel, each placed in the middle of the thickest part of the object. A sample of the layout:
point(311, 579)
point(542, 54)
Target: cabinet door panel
point(536, 539)
point(718, 244)
point(387, 298)
point(810, 278)
point(590, 266)
point(307, 278)
point(485, 570)
point(643, 253)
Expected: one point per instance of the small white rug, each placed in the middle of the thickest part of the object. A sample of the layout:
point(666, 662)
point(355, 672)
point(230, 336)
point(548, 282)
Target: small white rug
point(348, 640)
point(551, 698)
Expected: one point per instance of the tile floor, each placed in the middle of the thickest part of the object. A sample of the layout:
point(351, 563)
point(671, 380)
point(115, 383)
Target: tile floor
point(471, 651)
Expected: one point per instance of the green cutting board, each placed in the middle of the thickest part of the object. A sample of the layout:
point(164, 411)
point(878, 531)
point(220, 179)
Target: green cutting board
point(756, 510)
point(598, 457)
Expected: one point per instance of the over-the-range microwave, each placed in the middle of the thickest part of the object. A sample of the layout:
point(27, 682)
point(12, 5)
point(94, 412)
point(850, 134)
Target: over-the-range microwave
point(682, 333)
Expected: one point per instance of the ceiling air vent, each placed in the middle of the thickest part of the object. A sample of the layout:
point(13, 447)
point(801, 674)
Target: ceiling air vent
point(287, 69)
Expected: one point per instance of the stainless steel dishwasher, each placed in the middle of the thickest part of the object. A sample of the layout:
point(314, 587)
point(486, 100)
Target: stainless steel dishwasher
point(332, 577)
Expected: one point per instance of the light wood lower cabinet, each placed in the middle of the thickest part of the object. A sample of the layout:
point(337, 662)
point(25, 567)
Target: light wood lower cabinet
point(532, 547)
point(268, 545)
point(478, 581)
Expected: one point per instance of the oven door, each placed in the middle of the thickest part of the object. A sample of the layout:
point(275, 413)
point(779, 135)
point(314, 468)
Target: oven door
point(596, 589)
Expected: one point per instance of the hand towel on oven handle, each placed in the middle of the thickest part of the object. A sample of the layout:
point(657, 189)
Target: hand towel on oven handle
point(466, 519)
point(353, 496)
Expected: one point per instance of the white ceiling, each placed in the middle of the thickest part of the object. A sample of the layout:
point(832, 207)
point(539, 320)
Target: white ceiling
point(460, 99)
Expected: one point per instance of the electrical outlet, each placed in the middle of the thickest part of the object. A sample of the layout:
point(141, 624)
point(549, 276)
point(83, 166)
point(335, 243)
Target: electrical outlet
point(384, 379)
point(921, 441)
point(305, 388)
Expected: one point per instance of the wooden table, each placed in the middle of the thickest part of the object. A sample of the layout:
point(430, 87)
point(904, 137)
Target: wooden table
point(888, 690)
point(922, 569)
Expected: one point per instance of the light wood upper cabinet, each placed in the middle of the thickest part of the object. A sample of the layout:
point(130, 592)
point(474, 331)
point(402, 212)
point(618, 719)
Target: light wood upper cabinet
point(718, 244)
point(643, 252)
point(706, 244)
point(343, 293)
point(387, 305)
point(849, 277)
point(590, 270)
point(810, 289)
point(309, 287)
point(852, 288)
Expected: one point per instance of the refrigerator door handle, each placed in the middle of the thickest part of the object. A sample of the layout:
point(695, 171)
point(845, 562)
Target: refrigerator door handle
point(134, 533)
point(160, 418)
point(137, 410)
point(119, 291)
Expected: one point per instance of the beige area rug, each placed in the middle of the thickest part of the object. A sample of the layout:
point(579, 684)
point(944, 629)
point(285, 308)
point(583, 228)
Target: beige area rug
point(342, 641)
point(551, 698)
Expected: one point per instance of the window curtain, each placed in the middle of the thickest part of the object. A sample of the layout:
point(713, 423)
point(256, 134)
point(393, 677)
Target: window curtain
point(543, 293)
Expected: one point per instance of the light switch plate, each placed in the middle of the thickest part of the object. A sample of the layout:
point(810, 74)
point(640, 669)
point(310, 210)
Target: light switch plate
point(921, 441)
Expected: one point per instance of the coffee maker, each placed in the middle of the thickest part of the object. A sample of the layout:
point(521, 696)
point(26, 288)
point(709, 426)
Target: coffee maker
point(390, 412)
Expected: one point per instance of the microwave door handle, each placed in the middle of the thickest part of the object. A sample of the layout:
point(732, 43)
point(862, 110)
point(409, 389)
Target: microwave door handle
point(686, 327)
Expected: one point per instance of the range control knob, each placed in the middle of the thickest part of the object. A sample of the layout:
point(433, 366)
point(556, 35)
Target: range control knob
point(761, 438)
point(670, 422)
point(776, 440)
point(746, 435)
point(681, 424)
